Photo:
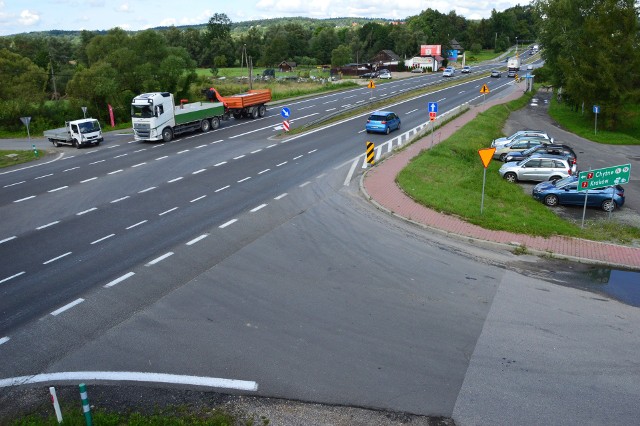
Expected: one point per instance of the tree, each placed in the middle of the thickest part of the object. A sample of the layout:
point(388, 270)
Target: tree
point(340, 55)
point(219, 27)
point(21, 78)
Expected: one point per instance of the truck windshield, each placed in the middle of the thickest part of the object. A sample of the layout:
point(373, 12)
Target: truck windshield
point(89, 126)
point(141, 111)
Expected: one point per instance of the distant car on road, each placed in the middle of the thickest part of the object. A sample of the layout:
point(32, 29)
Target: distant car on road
point(529, 67)
point(565, 191)
point(448, 72)
point(466, 69)
point(496, 74)
point(512, 73)
point(382, 122)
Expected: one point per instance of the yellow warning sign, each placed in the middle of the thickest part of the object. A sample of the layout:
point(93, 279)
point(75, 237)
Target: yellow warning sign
point(486, 154)
point(485, 89)
point(371, 85)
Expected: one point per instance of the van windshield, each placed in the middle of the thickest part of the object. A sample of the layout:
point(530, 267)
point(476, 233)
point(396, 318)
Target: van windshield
point(89, 126)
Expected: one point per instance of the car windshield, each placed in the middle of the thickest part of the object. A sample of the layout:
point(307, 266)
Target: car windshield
point(89, 127)
point(530, 150)
point(564, 181)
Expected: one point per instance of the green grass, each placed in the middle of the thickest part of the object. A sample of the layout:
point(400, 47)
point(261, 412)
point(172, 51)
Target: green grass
point(448, 178)
point(20, 157)
point(583, 125)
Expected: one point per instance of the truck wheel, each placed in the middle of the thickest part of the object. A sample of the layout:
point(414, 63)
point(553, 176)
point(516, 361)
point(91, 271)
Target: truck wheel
point(205, 125)
point(262, 110)
point(254, 113)
point(55, 143)
point(167, 134)
point(215, 123)
point(76, 144)
point(237, 115)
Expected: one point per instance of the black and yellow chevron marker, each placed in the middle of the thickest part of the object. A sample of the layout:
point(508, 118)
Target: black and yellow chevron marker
point(370, 152)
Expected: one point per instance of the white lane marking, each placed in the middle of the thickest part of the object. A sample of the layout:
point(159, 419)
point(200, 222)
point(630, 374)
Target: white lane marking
point(348, 97)
point(195, 240)
point(56, 258)
point(67, 306)
point(352, 170)
point(270, 146)
point(113, 146)
point(25, 199)
point(58, 189)
point(162, 158)
point(151, 188)
point(201, 146)
point(157, 146)
point(281, 196)
point(328, 102)
point(299, 156)
point(330, 109)
point(409, 112)
point(160, 258)
point(138, 165)
point(255, 209)
point(48, 225)
point(199, 171)
point(96, 162)
point(12, 277)
point(440, 100)
point(4, 340)
point(245, 179)
point(119, 199)
point(220, 164)
point(222, 189)
point(174, 180)
point(167, 211)
point(8, 239)
point(304, 184)
point(103, 238)
point(256, 151)
point(281, 164)
point(239, 157)
point(59, 157)
point(224, 225)
point(121, 155)
point(320, 176)
point(86, 211)
point(88, 180)
point(307, 107)
point(73, 168)
point(264, 171)
point(197, 199)
point(140, 150)
point(183, 151)
point(119, 279)
point(114, 172)
point(14, 184)
point(44, 176)
point(136, 224)
point(214, 142)
point(131, 376)
point(312, 151)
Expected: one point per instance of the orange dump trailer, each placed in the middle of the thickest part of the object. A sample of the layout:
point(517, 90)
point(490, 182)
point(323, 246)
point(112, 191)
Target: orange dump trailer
point(249, 104)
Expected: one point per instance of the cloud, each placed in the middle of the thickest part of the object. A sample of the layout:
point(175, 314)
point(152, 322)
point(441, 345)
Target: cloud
point(28, 18)
point(124, 7)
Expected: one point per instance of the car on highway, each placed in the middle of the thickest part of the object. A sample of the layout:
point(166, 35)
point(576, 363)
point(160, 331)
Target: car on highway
point(496, 74)
point(552, 148)
point(382, 122)
point(466, 69)
point(385, 75)
point(448, 72)
point(521, 133)
point(512, 73)
point(529, 67)
point(565, 192)
point(537, 169)
point(519, 144)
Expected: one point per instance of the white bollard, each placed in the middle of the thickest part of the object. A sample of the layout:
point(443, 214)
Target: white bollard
point(56, 405)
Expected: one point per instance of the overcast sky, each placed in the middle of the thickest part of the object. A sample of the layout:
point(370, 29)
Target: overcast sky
point(20, 16)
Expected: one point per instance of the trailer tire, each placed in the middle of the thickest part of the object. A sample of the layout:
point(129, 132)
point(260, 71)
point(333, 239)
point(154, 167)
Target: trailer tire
point(205, 125)
point(254, 112)
point(215, 123)
point(262, 110)
point(167, 134)
point(237, 115)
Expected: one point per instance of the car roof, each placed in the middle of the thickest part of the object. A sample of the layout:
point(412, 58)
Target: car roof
point(550, 156)
point(382, 112)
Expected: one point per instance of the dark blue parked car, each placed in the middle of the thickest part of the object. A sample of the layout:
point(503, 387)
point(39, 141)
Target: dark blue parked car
point(565, 191)
point(382, 122)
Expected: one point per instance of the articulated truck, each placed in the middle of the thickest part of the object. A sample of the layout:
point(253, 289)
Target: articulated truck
point(156, 117)
point(76, 133)
point(513, 64)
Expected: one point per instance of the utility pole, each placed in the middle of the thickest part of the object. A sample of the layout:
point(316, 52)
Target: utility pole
point(250, 66)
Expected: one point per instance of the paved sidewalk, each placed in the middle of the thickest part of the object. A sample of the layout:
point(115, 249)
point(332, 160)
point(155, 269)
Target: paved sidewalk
point(379, 184)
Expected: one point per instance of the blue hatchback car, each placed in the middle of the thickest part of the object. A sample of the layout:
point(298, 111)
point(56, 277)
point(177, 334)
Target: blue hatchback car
point(382, 122)
point(565, 191)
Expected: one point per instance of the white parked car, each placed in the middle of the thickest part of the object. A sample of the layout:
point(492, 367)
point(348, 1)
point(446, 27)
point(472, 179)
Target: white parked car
point(385, 75)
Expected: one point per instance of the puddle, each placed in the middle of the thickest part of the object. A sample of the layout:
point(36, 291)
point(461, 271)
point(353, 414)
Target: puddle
point(620, 285)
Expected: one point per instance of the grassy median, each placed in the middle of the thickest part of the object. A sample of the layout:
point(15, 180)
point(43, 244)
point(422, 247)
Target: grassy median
point(448, 178)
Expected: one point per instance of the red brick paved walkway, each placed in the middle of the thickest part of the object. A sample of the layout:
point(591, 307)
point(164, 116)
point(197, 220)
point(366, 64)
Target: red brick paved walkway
point(379, 184)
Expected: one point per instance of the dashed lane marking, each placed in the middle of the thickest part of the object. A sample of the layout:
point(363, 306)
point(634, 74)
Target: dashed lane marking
point(67, 307)
point(160, 258)
point(119, 279)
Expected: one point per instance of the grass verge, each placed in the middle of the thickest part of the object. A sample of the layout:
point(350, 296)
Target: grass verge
point(13, 157)
point(448, 178)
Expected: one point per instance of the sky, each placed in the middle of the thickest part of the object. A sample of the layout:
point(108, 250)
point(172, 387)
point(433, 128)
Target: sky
point(23, 16)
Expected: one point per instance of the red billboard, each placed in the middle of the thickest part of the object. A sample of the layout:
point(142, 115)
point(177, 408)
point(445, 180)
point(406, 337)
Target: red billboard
point(430, 50)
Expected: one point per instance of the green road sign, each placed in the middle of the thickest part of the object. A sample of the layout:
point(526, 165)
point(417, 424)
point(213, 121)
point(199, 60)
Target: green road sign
point(609, 176)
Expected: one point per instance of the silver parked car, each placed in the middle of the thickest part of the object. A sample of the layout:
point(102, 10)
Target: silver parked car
point(503, 141)
point(537, 169)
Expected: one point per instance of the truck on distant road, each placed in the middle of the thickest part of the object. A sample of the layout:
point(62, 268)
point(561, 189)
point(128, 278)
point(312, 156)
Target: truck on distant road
point(249, 104)
point(76, 133)
point(156, 117)
point(513, 64)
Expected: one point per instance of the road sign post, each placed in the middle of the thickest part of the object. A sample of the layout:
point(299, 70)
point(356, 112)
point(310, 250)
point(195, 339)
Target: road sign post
point(484, 90)
point(486, 154)
point(285, 125)
point(596, 111)
point(598, 178)
point(371, 86)
point(370, 154)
